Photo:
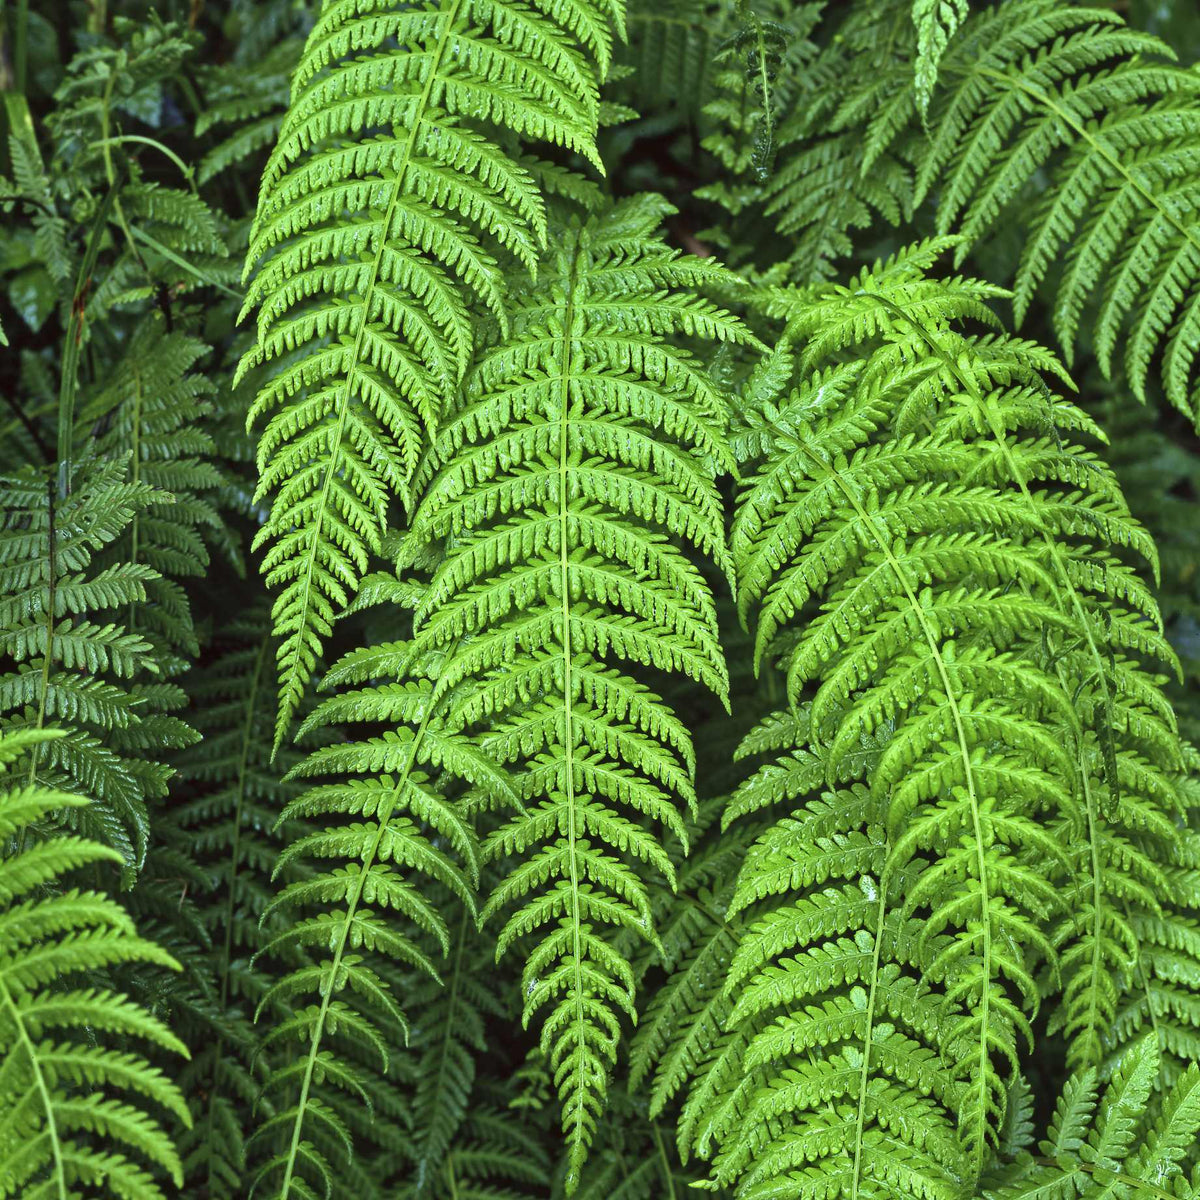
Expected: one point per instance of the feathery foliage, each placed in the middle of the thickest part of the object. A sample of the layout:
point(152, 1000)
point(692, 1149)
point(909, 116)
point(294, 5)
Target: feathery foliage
point(583, 444)
point(757, 751)
point(975, 675)
point(68, 663)
point(409, 222)
point(73, 1109)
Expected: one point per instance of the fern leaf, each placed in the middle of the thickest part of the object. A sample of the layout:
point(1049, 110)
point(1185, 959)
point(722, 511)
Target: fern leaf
point(558, 482)
point(68, 1122)
point(370, 250)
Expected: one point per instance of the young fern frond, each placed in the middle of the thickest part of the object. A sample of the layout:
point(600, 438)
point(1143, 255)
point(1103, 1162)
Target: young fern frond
point(394, 186)
point(353, 921)
point(64, 664)
point(580, 457)
point(969, 616)
point(76, 1117)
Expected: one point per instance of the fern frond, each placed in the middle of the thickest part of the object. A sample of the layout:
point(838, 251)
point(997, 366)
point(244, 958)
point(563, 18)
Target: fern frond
point(62, 668)
point(974, 655)
point(582, 451)
point(351, 920)
point(71, 1108)
point(936, 22)
point(1031, 87)
point(151, 411)
point(370, 249)
point(1123, 1141)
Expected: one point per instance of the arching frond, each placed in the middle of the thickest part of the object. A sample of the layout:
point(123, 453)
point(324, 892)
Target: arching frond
point(393, 193)
point(977, 664)
point(564, 484)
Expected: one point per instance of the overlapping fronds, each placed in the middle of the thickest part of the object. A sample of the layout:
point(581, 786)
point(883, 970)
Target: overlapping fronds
point(152, 413)
point(359, 910)
point(975, 676)
point(1032, 87)
point(77, 1104)
point(68, 659)
point(395, 189)
point(1117, 1139)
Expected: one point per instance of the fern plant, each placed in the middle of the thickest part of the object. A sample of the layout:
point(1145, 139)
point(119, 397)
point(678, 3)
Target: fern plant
point(977, 666)
point(436, 198)
point(74, 1108)
point(408, 828)
point(153, 414)
point(583, 445)
point(755, 756)
point(1117, 1141)
point(62, 667)
point(1037, 86)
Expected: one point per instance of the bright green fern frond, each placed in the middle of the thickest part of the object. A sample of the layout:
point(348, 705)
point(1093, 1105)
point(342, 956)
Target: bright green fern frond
point(1163, 990)
point(391, 195)
point(73, 1119)
point(949, 555)
point(578, 463)
point(936, 22)
point(1123, 1142)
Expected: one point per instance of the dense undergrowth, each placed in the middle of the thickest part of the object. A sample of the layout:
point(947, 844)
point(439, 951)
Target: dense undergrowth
point(599, 598)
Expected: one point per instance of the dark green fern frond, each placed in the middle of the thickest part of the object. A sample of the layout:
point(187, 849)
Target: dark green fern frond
point(65, 663)
point(966, 613)
point(163, 236)
point(497, 1153)
point(635, 1160)
point(391, 192)
point(689, 1009)
point(151, 414)
point(246, 102)
point(827, 183)
point(578, 462)
point(361, 898)
point(453, 1035)
point(232, 796)
point(671, 50)
point(74, 1117)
